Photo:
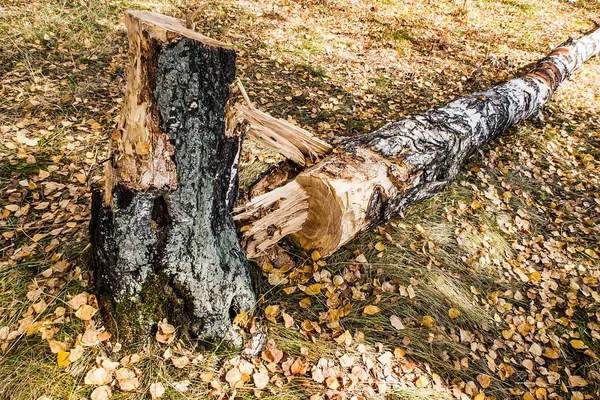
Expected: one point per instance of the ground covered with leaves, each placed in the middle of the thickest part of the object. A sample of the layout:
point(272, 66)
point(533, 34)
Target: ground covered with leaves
point(488, 291)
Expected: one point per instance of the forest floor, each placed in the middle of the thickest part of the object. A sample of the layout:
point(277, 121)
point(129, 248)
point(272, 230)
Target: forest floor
point(487, 291)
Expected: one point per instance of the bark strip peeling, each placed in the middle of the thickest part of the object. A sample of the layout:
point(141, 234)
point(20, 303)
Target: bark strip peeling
point(374, 177)
point(164, 243)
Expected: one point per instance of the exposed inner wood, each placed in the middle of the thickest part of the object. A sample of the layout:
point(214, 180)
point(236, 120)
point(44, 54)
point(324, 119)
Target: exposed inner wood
point(142, 154)
point(164, 244)
point(374, 177)
point(281, 136)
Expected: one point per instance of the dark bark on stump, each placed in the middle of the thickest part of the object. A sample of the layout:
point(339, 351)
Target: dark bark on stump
point(164, 244)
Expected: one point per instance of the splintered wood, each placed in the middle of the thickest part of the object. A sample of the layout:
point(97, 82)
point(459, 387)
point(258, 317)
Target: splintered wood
point(374, 177)
point(277, 134)
point(283, 210)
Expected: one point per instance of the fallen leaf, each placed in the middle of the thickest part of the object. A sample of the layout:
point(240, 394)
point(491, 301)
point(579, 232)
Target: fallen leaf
point(156, 390)
point(101, 393)
point(577, 381)
point(78, 301)
point(578, 344)
point(371, 310)
point(261, 380)
point(97, 376)
point(233, 376)
point(62, 358)
point(126, 380)
point(85, 312)
point(313, 290)
point(484, 380)
point(428, 321)
point(453, 313)
point(56, 347)
point(396, 322)
point(180, 362)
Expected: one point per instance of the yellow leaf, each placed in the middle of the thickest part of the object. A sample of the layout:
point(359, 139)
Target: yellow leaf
point(33, 328)
point(62, 358)
point(484, 380)
point(379, 246)
point(549, 352)
point(271, 313)
point(480, 396)
point(428, 321)
point(453, 313)
point(371, 310)
point(313, 289)
point(578, 344)
point(38, 236)
point(476, 204)
point(315, 255)
point(305, 302)
point(528, 396)
point(399, 353)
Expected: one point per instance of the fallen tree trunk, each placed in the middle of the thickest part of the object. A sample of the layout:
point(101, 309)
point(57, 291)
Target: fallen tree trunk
point(372, 178)
point(163, 241)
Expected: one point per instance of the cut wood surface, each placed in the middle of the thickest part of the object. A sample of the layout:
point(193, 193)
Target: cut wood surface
point(374, 177)
point(163, 240)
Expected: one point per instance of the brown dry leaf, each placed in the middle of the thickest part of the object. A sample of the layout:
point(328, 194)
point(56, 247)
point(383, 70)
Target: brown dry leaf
point(206, 376)
point(422, 382)
point(97, 376)
point(287, 320)
point(101, 393)
point(76, 353)
point(261, 380)
point(78, 301)
point(528, 396)
point(90, 337)
point(156, 390)
point(305, 302)
point(180, 362)
point(347, 361)
point(371, 310)
point(165, 333)
point(56, 347)
point(577, 381)
point(126, 380)
point(85, 312)
point(549, 352)
point(345, 338)
point(484, 380)
point(233, 376)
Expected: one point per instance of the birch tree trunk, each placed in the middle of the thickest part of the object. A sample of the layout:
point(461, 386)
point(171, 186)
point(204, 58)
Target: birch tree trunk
point(373, 177)
point(163, 241)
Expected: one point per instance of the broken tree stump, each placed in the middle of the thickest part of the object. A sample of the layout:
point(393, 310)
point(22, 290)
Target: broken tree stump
point(163, 241)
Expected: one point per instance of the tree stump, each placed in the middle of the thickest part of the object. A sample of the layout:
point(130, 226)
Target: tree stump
point(163, 241)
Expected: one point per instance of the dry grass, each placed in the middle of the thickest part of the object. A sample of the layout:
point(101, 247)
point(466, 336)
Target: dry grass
point(337, 68)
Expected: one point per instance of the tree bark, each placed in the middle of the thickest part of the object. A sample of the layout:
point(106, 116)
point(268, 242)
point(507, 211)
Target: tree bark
point(163, 241)
point(372, 178)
